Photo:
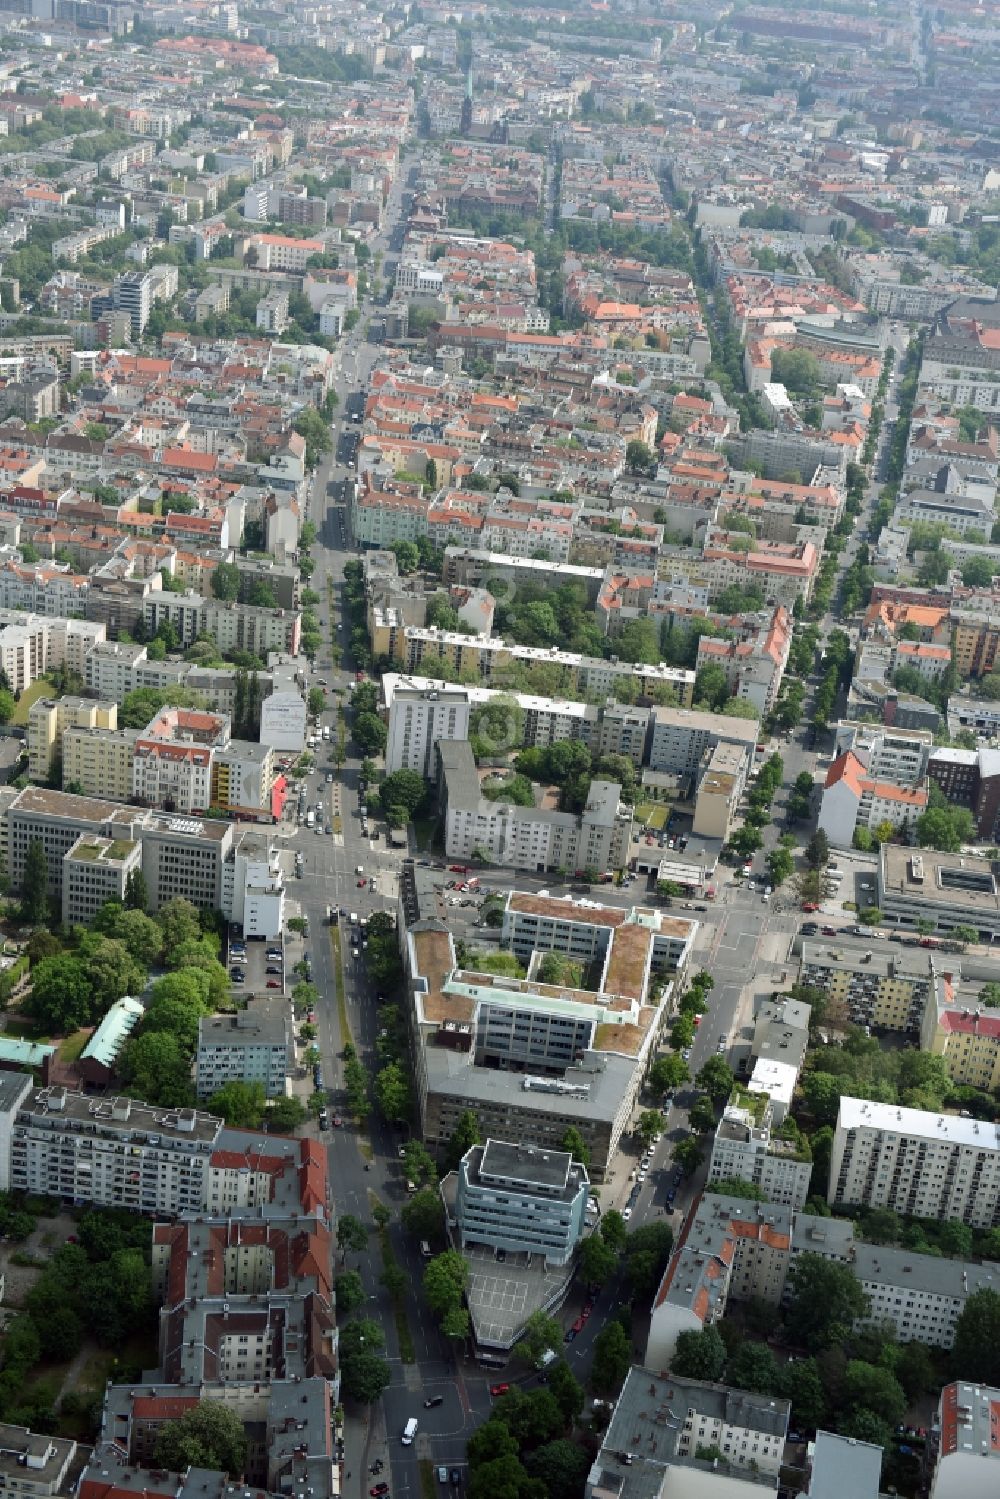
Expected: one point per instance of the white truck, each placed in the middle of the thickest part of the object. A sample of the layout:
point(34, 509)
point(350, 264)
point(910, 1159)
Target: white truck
point(310, 819)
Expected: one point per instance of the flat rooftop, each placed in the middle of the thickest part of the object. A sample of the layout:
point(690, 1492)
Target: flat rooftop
point(861, 1113)
point(78, 1111)
point(955, 880)
point(526, 1164)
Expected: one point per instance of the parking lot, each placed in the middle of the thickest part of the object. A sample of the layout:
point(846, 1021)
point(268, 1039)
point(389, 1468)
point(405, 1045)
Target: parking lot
point(261, 973)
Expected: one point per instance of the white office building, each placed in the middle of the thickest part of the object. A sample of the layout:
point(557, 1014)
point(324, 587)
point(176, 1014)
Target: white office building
point(521, 1199)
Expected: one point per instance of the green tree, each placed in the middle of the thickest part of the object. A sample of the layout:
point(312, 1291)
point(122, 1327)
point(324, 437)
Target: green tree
point(573, 1142)
point(310, 425)
point(463, 1137)
point(240, 1104)
point(352, 1235)
point(826, 1301)
point(560, 1466)
point(285, 1115)
point(699, 1355)
point(597, 1262)
point(566, 1391)
point(711, 687)
point(210, 1435)
point(350, 1292)
point(612, 1357)
point(61, 997)
point(976, 1350)
point(226, 581)
point(136, 891)
point(753, 1367)
point(157, 1068)
point(717, 1079)
point(613, 1230)
point(445, 1279)
point(540, 1333)
point(365, 1375)
point(178, 922)
point(868, 1387)
point(638, 455)
point(404, 788)
point(866, 1426)
point(370, 735)
point(688, 1155)
point(667, 1073)
point(422, 1214)
point(392, 1093)
point(35, 885)
point(701, 1115)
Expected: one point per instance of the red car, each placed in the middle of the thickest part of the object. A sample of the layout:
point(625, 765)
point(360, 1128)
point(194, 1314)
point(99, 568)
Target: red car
point(273, 984)
point(499, 1389)
point(361, 884)
point(578, 1324)
point(337, 1121)
point(809, 905)
point(379, 1490)
point(459, 868)
point(828, 931)
point(586, 1313)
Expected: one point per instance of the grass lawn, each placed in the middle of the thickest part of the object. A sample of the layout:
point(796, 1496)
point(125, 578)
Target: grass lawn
point(70, 1049)
point(423, 832)
point(652, 814)
point(41, 688)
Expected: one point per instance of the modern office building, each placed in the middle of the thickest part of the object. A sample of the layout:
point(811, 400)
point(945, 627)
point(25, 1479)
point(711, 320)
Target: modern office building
point(948, 890)
point(521, 1199)
point(255, 1045)
point(96, 870)
point(914, 1161)
point(680, 737)
point(532, 1058)
point(133, 293)
point(747, 1146)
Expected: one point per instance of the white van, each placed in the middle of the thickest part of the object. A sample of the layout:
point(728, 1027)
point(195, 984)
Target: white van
point(409, 1431)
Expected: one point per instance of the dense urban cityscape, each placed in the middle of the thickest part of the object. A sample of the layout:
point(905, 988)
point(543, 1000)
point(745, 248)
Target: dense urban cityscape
point(499, 750)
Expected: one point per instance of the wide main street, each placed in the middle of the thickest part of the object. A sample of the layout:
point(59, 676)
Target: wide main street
point(743, 941)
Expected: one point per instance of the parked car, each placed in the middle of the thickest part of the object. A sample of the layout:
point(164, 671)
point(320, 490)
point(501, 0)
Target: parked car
point(499, 1389)
point(433, 1401)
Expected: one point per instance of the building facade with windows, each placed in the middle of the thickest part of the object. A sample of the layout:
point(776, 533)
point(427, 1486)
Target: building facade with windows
point(521, 1199)
point(917, 1162)
point(256, 1045)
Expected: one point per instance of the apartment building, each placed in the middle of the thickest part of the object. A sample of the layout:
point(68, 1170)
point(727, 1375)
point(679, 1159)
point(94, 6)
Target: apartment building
point(48, 720)
point(972, 779)
point(754, 661)
point(913, 1161)
point(882, 985)
point(735, 1249)
point(418, 718)
point(661, 1423)
point(747, 1145)
point(32, 644)
point(853, 798)
point(98, 762)
point(231, 627)
point(96, 870)
point(680, 737)
point(968, 1454)
point(32, 1465)
point(256, 1045)
point(721, 780)
point(489, 656)
point(958, 1028)
point(112, 1152)
point(529, 1058)
point(783, 572)
point(975, 640)
point(522, 1200)
point(535, 838)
